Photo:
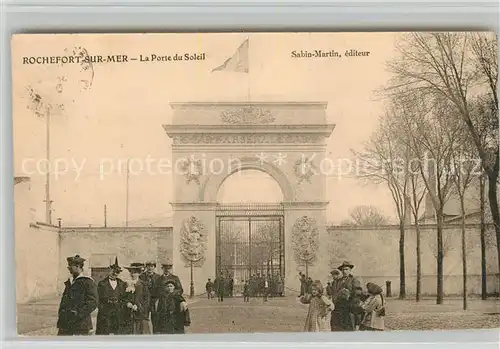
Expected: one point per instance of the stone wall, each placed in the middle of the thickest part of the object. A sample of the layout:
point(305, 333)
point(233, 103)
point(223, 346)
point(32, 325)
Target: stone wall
point(100, 245)
point(36, 249)
point(375, 253)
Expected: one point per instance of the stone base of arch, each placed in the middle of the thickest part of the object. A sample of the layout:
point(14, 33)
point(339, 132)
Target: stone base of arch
point(206, 212)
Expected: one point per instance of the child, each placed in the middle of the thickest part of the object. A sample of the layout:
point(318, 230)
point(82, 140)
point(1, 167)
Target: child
point(374, 309)
point(320, 306)
point(335, 285)
point(246, 292)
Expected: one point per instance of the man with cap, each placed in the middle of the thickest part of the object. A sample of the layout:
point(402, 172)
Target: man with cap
point(168, 276)
point(78, 301)
point(111, 291)
point(150, 279)
point(344, 290)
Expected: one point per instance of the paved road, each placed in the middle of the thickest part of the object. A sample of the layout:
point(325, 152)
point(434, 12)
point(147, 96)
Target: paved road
point(288, 315)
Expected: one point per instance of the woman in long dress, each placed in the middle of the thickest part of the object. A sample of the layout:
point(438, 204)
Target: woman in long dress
point(135, 303)
point(320, 308)
point(171, 310)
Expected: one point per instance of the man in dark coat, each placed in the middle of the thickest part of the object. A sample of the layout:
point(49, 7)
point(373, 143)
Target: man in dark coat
point(168, 276)
point(209, 287)
point(78, 301)
point(343, 293)
point(150, 279)
point(220, 288)
point(111, 291)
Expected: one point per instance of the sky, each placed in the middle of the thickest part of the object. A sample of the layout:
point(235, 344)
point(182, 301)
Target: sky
point(121, 114)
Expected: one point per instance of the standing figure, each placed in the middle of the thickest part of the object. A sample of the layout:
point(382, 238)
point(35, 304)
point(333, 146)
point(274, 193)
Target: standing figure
point(302, 279)
point(169, 276)
point(111, 292)
point(343, 293)
point(318, 316)
point(246, 291)
point(265, 289)
point(78, 301)
point(150, 278)
point(172, 314)
point(135, 303)
point(374, 309)
point(209, 287)
point(220, 288)
point(230, 287)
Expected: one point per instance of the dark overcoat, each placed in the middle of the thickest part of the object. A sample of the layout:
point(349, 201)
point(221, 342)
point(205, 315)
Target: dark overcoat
point(150, 280)
point(343, 318)
point(132, 321)
point(170, 318)
point(110, 306)
point(78, 301)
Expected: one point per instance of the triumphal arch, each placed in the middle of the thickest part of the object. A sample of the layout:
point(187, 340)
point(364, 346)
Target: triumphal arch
point(212, 142)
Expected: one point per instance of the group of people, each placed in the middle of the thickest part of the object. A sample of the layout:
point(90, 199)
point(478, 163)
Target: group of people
point(345, 306)
point(143, 303)
point(256, 286)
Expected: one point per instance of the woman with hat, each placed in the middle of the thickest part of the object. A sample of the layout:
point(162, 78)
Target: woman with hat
point(374, 308)
point(111, 291)
point(170, 308)
point(135, 303)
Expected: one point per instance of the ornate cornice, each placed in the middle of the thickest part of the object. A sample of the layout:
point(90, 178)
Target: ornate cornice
point(193, 206)
point(306, 205)
point(324, 129)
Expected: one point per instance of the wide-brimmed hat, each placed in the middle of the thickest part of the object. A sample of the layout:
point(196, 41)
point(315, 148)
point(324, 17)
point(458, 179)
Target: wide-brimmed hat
point(150, 263)
point(135, 267)
point(335, 272)
point(75, 260)
point(170, 282)
point(167, 265)
point(374, 288)
point(346, 264)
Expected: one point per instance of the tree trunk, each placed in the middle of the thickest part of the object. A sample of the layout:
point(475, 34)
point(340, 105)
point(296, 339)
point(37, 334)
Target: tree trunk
point(402, 276)
point(439, 258)
point(464, 254)
point(484, 289)
point(492, 195)
point(419, 262)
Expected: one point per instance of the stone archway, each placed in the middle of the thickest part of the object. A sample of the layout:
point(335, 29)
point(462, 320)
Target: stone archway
point(283, 139)
point(209, 189)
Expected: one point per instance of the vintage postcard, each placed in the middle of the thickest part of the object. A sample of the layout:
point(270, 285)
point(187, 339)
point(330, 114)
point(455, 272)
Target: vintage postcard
point(255, 182)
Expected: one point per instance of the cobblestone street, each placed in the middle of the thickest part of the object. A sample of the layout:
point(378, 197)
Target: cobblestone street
point(288, 315)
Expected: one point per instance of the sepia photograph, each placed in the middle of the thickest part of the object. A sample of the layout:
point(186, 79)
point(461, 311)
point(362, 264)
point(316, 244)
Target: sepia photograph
point(255, 182)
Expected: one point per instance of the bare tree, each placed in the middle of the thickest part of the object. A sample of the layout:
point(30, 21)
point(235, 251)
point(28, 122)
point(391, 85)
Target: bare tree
point(384, 160)
point(365, 215)
point(464, 171)
point(422, 127)
point(418, 191)
point(458, 67)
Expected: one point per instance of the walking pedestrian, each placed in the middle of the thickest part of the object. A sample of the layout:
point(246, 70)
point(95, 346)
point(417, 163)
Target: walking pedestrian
point(172, 313)
point(136, 303)
point(209, 287)
point(111, 292)
point(78, 301)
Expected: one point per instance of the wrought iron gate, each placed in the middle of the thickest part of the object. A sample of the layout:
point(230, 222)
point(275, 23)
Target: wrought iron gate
point(250, 242)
